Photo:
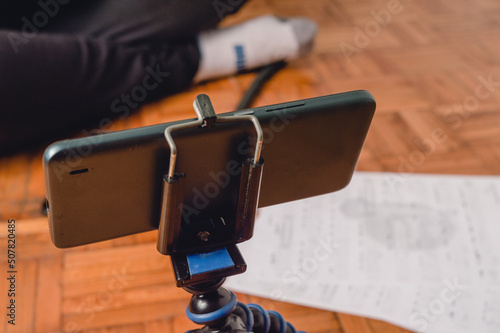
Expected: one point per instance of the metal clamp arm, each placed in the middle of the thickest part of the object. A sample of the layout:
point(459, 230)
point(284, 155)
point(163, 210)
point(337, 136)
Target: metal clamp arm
point(206, 118)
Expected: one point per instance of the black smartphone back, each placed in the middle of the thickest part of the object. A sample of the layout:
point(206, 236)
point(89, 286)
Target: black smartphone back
point(110, 185)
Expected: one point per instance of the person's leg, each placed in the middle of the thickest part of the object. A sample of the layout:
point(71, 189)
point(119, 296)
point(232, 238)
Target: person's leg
point(12, 13)
point(94, 60)
point(124, 20)
point(93, 71)
point(224, 52)
point(136, 22)
point(55, 82)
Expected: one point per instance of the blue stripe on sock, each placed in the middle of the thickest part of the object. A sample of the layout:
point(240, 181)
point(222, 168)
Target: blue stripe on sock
point(240, 57)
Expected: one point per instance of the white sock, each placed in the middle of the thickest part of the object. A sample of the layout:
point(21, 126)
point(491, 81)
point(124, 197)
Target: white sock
point(253, 44)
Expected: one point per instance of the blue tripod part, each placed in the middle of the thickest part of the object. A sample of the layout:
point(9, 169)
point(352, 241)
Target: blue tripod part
point(249, 315)
point(265, 315)
point(200, 263)
point(281, 321)
point(290, 326)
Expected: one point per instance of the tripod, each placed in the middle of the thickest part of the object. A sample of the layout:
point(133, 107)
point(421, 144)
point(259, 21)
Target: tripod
point(202, 258)
point(217, 308)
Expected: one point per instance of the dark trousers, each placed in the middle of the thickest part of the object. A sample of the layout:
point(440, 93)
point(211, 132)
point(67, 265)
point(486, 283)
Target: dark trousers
point(65, 64)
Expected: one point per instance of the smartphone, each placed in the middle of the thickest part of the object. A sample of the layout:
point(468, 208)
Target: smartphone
point(110, 185)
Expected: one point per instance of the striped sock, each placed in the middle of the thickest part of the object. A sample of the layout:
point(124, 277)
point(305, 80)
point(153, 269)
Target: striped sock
point(253, 44)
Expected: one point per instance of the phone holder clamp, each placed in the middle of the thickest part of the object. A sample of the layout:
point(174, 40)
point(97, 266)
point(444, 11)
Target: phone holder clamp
point(203, 259)
point(208, 254)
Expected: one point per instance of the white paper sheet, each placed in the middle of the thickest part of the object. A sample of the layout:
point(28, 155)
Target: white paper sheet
point(419, 251)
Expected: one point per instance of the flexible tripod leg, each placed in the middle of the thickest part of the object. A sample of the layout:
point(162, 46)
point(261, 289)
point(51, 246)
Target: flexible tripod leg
point(217, 308)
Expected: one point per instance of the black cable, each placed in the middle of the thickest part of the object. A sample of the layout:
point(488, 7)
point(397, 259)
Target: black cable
point(264, 75)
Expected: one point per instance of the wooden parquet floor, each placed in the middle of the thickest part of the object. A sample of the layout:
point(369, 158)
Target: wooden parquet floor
point(434, 69)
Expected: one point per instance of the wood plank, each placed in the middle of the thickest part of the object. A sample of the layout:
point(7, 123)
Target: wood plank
point(116, 296)
point(323, 321)
point(161, 325)
point(350, 323)
point(380, 326)
point(130, 280)
point(124, 267)
point(48, 295)
point(109, 255)
point(134, 328)
point(123, 316)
